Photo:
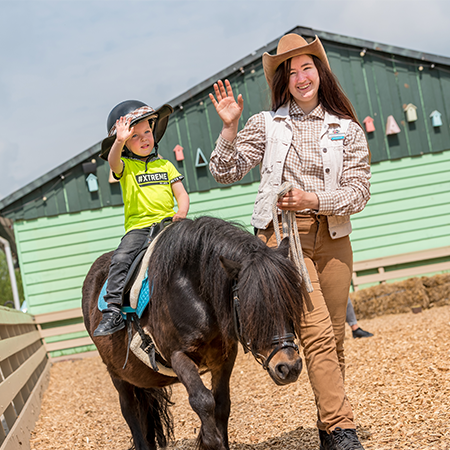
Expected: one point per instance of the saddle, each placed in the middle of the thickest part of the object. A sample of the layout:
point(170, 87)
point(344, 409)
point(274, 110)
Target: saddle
point(138, 269)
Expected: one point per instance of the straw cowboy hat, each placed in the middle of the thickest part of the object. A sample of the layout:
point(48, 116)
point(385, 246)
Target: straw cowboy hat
point(135, 111)
point(289, 46)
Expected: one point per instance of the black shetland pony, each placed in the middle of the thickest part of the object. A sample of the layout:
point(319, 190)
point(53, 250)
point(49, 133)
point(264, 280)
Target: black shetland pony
point(214, 284)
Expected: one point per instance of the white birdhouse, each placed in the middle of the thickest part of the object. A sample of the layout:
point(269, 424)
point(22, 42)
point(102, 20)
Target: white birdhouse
point(391, 126)
point(92, 183)
point(411, 113)
point(436, 119)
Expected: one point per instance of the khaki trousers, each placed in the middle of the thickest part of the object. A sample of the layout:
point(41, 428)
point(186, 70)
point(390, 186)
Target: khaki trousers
point(329, 263)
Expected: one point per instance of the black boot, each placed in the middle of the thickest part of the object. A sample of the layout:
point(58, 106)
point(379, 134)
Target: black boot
point(326, 442)
point(345, 439)
point(111, 322)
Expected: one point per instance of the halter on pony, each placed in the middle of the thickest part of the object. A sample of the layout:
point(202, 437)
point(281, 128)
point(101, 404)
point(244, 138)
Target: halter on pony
point(281, 342)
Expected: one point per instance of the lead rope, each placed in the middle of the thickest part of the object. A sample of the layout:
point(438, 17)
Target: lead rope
point(289, 224)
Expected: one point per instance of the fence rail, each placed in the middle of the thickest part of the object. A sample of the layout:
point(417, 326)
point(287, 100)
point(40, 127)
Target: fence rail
point(24, 377)
point(64, 333)
point(404, 265)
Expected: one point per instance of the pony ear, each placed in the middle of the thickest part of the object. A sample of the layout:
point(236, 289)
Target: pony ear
point(283, 248)
point(232, 268)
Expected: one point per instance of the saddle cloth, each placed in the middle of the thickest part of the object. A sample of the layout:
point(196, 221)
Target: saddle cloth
point(142, 300)
point(139, 292)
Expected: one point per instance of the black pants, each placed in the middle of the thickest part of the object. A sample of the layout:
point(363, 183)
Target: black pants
point(122, 258)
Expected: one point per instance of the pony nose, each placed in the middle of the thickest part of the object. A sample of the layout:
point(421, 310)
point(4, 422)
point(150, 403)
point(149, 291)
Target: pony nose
point(289, 372)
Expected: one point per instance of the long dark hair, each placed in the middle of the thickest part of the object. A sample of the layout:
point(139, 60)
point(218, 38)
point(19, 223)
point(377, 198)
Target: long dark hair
point(331, 94)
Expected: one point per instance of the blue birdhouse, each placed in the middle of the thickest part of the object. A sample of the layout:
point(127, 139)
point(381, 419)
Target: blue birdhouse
point(92, 183)
point(200, 160)
point(436, 119)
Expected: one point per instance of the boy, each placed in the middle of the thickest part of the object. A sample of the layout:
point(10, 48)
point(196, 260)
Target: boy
point(148, 186)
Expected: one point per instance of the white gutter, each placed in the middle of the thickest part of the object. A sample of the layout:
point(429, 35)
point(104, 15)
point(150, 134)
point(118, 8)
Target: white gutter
point(12, 275)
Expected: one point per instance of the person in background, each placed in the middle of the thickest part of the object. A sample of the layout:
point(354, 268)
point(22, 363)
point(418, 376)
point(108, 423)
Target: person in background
point(350, 318)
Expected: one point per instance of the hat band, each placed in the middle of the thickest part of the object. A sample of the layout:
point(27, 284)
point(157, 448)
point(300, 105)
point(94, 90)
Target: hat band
point(133, 116)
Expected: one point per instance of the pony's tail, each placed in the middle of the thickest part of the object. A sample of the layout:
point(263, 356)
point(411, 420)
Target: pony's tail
point(154, 414)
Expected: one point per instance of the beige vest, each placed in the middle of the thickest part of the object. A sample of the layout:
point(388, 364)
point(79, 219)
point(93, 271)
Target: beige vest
point(278, 141)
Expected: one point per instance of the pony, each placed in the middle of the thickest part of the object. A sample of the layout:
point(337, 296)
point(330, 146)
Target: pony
point(214, 285)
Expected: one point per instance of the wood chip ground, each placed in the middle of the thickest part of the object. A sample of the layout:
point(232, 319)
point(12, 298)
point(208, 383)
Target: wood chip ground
point(397, 381)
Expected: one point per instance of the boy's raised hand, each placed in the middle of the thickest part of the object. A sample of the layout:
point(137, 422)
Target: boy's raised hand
point(226, 106)
point(123, 130)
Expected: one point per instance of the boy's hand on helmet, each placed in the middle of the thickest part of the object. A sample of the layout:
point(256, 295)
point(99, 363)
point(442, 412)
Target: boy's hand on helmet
point(123, 130)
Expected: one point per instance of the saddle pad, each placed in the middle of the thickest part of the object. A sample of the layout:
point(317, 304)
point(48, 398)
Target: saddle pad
point(143, 299)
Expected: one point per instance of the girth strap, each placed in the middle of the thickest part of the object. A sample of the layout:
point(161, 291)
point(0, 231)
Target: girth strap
point(147, 345)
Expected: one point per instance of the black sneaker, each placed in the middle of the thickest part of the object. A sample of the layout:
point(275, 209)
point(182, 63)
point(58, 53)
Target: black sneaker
point(345, 439)
point(326, 442)
point(360, 333)
point(111, 322)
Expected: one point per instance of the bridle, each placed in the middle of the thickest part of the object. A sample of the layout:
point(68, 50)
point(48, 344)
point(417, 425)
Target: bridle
point(280, 342)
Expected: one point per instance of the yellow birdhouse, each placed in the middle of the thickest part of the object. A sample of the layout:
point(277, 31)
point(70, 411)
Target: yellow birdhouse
point(411, 113)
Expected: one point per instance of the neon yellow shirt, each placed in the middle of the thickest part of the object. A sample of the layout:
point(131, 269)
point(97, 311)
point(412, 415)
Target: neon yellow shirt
point(147, 195)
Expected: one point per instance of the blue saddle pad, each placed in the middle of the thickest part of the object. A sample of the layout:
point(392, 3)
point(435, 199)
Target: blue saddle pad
point(143, 300)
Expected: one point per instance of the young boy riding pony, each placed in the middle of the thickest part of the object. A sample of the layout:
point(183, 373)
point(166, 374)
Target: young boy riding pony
point(149, 185)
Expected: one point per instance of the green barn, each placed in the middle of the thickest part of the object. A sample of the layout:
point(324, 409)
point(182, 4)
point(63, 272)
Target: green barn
point(65, 219)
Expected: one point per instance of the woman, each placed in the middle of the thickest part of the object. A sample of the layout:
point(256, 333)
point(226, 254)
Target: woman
point(312, 139)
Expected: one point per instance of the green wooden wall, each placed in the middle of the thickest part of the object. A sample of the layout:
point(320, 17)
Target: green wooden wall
point(409, 211)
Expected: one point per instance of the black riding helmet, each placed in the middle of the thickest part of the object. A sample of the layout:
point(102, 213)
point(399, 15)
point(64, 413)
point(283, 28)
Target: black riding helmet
point(136, 112)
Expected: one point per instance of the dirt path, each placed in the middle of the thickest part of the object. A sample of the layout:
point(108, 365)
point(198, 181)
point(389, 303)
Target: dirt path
point(398, 383)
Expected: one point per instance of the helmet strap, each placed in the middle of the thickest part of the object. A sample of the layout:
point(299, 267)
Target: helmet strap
point(151, 156)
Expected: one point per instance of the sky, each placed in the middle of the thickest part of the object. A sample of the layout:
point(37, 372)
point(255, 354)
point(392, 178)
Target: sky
point(66, 63)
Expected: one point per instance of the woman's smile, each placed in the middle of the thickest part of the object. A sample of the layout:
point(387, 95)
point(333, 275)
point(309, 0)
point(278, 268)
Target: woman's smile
point(304, 82)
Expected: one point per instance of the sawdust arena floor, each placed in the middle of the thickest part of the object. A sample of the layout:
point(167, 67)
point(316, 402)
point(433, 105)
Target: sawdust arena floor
point(397, 381)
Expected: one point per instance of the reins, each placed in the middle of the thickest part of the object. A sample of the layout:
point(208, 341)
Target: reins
point(289, 224)
point(281, 342)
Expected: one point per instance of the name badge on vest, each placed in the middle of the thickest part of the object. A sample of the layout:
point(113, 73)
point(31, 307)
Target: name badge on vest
point(336, 135)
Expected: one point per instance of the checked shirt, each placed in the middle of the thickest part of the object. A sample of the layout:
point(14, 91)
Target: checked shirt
point(231, 161)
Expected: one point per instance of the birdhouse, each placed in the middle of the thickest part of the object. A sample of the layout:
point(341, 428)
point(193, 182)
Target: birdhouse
point(200, 160)
point(92, 183)
point(368, 123)
point(436, 119)
point(391, 126)
point(411, 113)
point(178, 150)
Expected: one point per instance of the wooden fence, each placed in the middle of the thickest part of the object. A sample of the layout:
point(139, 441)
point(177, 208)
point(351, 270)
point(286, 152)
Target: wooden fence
point(405, 265)
point(72, 337)
point(25, 359)
point(24, 377)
